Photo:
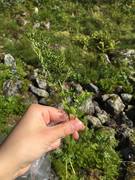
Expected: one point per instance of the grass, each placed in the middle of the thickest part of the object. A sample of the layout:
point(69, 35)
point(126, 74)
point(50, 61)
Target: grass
point(82, 33)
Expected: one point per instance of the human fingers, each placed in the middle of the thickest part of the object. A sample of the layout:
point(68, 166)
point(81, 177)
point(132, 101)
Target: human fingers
point(76, 135)
point(53, 115)
point(63, 129)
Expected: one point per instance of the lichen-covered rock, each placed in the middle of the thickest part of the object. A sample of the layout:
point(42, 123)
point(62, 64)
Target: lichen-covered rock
point(103, 117)
point(93, 121)
point(88, 106)
point(126, 97)
point(10, 61)
point(12, 87)
point(39, 92)
point(40, 79)
point(113, 103)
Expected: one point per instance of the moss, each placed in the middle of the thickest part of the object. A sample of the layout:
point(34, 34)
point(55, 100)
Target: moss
point(95, 149)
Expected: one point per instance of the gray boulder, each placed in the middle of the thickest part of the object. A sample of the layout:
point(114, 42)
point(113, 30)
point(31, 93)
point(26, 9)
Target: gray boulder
point(10, 61)
point(40, 79)
point(39, 92)
point(103, 117)
point(113, 103)
point(126, 97)
point(94, 121)
point(12, 87)
point(88, 106)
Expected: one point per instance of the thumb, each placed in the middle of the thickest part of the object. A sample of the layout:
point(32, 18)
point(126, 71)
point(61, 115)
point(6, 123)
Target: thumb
point(64, 129)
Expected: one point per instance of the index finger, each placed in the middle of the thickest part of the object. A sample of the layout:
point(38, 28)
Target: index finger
point(54, 115)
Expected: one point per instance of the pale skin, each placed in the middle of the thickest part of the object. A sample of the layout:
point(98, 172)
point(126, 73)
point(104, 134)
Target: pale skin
point(39, 131)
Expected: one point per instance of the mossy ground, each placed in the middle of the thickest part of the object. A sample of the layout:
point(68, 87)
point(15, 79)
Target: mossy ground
point(81, 34)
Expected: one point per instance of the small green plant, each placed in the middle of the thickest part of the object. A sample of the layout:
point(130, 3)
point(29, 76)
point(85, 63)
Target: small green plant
point(94, 150)
point(10, 108)
point(102, 42)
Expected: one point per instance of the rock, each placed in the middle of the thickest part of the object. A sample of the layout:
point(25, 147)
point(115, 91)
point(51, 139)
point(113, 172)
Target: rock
point(11, 87)
point(88, 106)
point(130, 112)
point(41, 83)
point(92, 88)
point(21, 21)
point(113, 103)
point(46, 25)
point(40, 79)
point(130, 175)
point(125, 136)
point(36, 25)
point(76, 86)
point(10, 61)
point(129, 53)
point(39, 92)
point(103, 117)
point(94, 121)
point(126, 97)
point(42, 101)
point(97, 108)
point(111, 123)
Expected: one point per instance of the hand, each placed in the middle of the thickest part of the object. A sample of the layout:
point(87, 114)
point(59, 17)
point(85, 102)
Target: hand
point(39, 131)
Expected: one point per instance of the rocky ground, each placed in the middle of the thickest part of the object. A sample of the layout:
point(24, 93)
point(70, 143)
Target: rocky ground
point(78, 56)
point(115, 111)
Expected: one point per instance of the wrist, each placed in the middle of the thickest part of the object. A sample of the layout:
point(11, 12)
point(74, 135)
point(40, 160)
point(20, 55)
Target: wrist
point(8, 166)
